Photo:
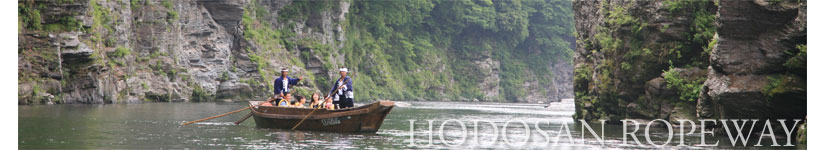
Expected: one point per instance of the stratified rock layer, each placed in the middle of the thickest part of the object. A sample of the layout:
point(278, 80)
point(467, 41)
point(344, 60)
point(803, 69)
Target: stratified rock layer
point(755, 40)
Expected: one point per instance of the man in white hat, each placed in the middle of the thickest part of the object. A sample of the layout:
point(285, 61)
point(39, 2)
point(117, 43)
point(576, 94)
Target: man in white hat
point(283, 84)
point(343, 90)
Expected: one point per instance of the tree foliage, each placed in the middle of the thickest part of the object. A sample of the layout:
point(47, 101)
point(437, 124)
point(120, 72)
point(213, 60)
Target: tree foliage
point(426, 45)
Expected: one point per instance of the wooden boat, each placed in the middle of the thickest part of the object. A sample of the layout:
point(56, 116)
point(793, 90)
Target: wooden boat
point(365, 118)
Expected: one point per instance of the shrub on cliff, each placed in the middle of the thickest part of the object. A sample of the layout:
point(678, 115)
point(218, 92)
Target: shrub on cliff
point(688, 88)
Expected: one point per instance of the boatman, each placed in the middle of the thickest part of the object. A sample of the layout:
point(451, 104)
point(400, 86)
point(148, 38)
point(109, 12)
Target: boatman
point(343, 90)
point(283, 84)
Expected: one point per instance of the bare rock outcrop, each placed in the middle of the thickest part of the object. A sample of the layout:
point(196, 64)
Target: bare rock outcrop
point(750, 76)
point(623, 47)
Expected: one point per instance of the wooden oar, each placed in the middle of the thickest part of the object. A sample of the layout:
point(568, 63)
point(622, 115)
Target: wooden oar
point(305, 118)
point(244, 118)
point(221, 115)
point(218, 116)
point(313, 110)
point(293, 128)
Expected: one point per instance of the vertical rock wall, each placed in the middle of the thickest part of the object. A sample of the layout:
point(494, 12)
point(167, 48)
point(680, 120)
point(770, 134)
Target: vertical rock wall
point(753, 67)
point(756, 40)
point(131, 51)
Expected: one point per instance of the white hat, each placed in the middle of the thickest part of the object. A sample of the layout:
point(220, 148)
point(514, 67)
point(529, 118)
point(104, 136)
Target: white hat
point(284, 70)
point(343, 70)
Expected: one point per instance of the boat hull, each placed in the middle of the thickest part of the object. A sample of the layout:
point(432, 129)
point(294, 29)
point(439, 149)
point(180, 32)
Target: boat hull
point(367, 118)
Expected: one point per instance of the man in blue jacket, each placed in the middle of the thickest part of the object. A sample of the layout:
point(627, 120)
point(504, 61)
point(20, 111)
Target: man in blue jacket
point(284, 83)
point(343, 90)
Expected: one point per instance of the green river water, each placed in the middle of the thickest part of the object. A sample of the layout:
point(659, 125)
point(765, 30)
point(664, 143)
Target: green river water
point(157, 125)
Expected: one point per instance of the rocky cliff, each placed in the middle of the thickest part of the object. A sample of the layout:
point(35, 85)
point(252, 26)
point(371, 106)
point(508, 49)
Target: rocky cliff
point(634, 56)
point(757, 66)
point(128, 51)
point(690, 59)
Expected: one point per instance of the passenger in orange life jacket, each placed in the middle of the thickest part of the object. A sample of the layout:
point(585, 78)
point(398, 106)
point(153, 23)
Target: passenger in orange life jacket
point(328, 103)
point(285, 101)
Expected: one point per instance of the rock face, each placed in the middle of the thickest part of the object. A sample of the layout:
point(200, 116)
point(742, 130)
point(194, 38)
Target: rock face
point(756, 40)
point(753, 36)
point(489, 69)
point(143, 51)
point(96, 51)
point(72, 51)
point(661, 101)
point(623, 48)
point(563, 79)
point(739, 60)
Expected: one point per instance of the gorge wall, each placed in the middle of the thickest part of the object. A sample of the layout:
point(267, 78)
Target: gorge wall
point(130, 51)
point(690, 59)
point(634, 56)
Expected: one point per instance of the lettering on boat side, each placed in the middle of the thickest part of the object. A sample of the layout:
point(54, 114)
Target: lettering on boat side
point(334, 120)
point(330, 121)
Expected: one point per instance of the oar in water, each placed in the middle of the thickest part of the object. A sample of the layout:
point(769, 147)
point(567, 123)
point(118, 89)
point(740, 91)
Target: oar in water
point(221, 115)
point(305, 118)
point(218, 116)
point(244, 118)
point(247, 116)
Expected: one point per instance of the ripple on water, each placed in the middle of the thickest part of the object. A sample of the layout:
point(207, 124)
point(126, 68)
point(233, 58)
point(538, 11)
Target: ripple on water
point(216, 123)
point(157, 125)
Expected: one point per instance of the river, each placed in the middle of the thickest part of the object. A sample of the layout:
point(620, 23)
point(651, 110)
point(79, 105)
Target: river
point(157, 125)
